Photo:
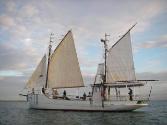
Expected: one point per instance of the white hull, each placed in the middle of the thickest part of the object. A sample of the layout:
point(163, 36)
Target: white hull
point(39, 101)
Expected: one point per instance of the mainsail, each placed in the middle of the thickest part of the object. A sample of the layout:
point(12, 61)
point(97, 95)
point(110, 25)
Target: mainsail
point(64, 70)
point(39, 75)
point(120, 66)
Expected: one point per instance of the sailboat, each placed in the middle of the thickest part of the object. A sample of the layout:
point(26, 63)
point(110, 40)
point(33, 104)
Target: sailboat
point(61, 70)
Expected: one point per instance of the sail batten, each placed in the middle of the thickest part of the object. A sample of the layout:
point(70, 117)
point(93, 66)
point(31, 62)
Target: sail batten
point(64, 71)
point(120, 66)
point(38, 77)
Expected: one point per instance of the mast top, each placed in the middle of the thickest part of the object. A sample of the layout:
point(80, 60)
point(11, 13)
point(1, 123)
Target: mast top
point(51, 38)
point(105, 39)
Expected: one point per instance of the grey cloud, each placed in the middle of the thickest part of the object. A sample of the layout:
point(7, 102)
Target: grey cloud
point(6, 21)
point(15, 58)
point(160, 42)
point(50, 15)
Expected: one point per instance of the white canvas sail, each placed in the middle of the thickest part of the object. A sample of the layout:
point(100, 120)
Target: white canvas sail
point(64, 68)
point(100, 69)
point(100, 73)
point(38, 77)
point(120, 66)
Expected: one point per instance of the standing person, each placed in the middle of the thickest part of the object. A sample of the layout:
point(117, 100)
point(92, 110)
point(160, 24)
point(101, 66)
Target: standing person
point(33, 92)
point(89, 95)
point(130, 94)
point(43, 90)
point(54, 93)
point(64, 94)
point(84, 96)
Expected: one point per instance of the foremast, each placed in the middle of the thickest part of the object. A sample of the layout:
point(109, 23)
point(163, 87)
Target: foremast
point(105, 40)
point(48, 62)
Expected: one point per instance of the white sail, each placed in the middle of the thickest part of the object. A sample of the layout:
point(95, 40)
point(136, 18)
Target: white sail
point(120, 66)
point(100, 73)
point(100, 69)
point(38, 77)
point(64, 68)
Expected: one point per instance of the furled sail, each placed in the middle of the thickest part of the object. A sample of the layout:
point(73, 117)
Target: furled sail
point(120, 66)
point(64, 70)
point(38, 77)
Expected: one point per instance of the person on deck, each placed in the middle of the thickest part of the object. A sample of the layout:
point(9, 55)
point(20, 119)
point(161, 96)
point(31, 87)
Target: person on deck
point(130, 94)
point(33, 92)
point(43, 90)
point(54, 93)
point(89, 95)
point(64, 94)
point(84, 96)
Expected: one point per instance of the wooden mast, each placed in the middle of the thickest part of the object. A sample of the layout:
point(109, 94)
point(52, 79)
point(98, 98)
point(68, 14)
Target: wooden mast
point(50, 48)
point(105, 68)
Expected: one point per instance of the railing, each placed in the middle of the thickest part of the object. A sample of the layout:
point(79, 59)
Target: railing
point(108, 98)
point(125, 98)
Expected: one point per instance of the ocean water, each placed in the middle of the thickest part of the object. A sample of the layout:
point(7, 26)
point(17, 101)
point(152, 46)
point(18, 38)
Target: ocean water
point(17, 113)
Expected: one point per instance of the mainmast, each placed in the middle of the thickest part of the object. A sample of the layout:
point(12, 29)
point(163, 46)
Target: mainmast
point(49, 53)
point(105, 68)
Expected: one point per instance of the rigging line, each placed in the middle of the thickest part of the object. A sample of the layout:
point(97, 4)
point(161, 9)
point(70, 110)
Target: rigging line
point(123, 36)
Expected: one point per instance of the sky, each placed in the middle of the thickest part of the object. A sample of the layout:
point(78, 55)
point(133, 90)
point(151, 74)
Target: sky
point(25, 27)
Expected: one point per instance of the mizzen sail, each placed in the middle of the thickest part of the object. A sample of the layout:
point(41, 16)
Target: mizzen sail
point(120, 66)
point(64, 70)
point(39, 75)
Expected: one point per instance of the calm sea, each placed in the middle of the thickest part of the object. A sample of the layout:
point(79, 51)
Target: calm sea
point(17, 113)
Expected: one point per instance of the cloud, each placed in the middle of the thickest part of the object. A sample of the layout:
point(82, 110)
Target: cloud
point(10, 6)
point(6, 21)
point(30, 24)
point(159, 43)
point(17, 62)
point(6, 73)
point(28, 11)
